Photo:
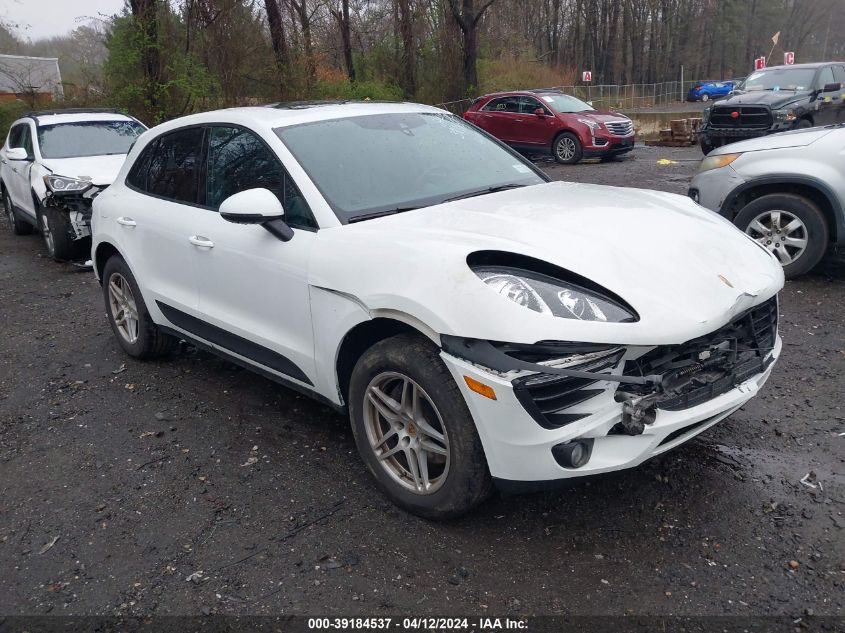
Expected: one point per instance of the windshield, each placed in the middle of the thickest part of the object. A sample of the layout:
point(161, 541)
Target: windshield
point(381, 163)
point(89, 138)
point(565, 103)
point(780, 79)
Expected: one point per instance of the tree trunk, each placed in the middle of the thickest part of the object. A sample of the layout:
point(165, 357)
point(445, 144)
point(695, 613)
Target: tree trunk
point(279, 42)
point(342, 18)
point(146, 15)
point(301, 10)
point(409, 61)
point(467, 17)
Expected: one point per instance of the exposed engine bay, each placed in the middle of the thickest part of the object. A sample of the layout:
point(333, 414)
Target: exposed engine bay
point(78, 207)
point(701, 369)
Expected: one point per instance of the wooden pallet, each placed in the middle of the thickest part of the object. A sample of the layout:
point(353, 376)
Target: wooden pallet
point(680, 133)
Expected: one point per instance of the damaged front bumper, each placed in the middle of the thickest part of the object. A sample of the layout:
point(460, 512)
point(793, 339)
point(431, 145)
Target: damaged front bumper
point(622, 404)
point(78, 207)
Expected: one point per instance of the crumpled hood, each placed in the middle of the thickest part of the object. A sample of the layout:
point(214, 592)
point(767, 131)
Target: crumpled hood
point(775, 99)
point(101, 170)
point(783, 140)
point(685, 270)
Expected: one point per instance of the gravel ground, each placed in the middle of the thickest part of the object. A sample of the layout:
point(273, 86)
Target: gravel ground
point(189, 486)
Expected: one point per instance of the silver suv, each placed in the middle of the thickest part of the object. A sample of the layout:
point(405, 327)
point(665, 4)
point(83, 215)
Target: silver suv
point(787, 191)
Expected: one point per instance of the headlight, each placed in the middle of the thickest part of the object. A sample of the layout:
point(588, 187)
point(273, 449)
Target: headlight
point(715, 162)
point(785, 115)
point(553, 297)
point(593, 125)
point(61, 184)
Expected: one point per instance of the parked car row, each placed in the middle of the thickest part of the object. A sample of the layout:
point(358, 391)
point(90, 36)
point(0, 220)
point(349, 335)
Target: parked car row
point(479, 324)
point(776, 99)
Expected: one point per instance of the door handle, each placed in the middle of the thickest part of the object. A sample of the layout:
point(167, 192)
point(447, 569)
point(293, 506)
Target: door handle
point(202, 242)
point(518, 120)
point(126, 222)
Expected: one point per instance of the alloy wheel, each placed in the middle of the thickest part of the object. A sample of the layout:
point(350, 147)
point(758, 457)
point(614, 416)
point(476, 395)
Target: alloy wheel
point(406, 433)
point(782, 233)
point(565, 148)
point(47, 234)
point(10, 212)
point(124, 310)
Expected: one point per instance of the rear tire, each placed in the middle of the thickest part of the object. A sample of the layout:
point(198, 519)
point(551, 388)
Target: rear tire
point(705, 97)
point(567, 149)
point(797, 219)
point(16, 226)
point(128, 316)
point(399, 442)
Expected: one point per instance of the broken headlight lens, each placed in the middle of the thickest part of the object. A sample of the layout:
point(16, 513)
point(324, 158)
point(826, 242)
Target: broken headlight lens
point(62, 184)
point(547, 295)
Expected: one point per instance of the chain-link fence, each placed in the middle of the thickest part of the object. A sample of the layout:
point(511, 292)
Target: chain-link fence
point(620, 97)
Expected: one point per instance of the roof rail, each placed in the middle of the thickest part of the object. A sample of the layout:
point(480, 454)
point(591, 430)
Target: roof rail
point(37, 113)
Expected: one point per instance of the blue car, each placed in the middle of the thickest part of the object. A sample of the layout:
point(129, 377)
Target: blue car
point(709, 90)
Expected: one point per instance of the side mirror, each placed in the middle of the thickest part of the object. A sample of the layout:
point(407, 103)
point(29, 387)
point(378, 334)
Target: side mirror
point(17, 153)
point(590, 103)
point(540, 112)
point(836, 87)
point(257, 206)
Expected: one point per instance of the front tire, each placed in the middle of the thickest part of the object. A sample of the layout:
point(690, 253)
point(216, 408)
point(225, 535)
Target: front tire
point(789, 226)
point(16, 226)
point(56, 232)
point(128, 316)
point(567, 149)
point(706, 145)
point(803, 124)
point(414, 431)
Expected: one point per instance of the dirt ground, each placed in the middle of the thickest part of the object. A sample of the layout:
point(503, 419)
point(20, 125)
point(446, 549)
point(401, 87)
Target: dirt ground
point(188, 486)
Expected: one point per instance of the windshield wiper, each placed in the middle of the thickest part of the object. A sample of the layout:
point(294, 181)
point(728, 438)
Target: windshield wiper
point(381, 214)
point(483, 192)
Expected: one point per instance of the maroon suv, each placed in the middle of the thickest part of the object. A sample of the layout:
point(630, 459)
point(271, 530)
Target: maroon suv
point(548, 121)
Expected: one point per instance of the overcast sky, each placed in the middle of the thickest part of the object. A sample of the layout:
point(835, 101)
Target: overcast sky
point(44, 18)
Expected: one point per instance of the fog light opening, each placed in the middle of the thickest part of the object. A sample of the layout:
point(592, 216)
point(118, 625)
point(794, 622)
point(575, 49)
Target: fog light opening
point(573, 454)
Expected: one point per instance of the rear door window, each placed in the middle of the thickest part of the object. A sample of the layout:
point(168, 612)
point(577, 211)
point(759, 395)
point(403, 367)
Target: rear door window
point(174, 167)
point(503, 105)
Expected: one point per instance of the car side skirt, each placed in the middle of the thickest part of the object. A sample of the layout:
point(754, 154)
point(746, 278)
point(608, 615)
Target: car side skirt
point(261, 371)
point(236, 344)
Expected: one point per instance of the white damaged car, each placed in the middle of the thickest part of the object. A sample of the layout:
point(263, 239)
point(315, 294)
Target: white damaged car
point(478, 323)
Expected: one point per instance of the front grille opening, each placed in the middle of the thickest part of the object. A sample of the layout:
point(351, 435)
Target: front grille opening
point(709, 366)
point(746, 117)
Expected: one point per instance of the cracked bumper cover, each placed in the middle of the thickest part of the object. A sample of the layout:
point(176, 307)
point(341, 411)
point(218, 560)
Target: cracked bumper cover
point(519, 449)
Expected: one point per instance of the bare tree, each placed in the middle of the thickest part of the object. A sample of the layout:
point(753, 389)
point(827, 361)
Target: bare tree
point(278, 40)
point(467, 15)
point(145, 13)
point(342, 18)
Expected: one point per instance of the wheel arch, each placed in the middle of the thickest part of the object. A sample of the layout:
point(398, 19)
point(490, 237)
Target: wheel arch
point(804, 186)
point(362, 337)
point(104, 251)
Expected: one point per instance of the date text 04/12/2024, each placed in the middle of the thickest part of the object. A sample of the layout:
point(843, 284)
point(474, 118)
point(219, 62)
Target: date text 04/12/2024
point(477, 625)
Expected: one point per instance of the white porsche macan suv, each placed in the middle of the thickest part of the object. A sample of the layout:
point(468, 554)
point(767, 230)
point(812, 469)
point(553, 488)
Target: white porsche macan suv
point(478, 323)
